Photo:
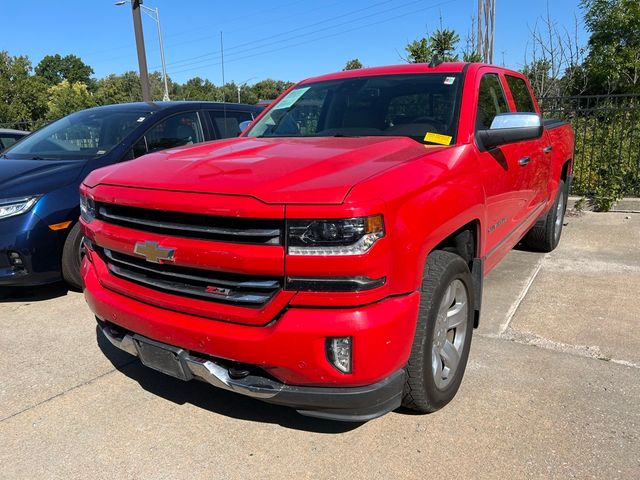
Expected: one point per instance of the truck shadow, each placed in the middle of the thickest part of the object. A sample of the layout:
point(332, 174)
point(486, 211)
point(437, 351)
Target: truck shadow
point(33, 294)
point(216, 400)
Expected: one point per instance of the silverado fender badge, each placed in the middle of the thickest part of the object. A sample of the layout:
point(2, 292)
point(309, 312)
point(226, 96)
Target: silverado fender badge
point(152, 252)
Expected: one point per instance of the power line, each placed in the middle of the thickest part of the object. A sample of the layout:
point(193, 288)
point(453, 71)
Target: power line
point(304, 27)
point(203, 62)
point(319, 38)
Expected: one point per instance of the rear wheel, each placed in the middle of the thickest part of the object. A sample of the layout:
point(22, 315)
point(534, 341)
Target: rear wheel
point(443, 334)
point(545, 234)
point(71, 258)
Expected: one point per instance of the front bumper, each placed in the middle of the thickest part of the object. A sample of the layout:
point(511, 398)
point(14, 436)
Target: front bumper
point(353, 404)
point(40, 250)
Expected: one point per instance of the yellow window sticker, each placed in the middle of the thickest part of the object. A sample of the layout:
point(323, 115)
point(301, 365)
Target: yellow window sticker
point(438, 138)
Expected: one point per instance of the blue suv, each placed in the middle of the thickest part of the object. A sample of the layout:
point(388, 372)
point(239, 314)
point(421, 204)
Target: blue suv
point(40, 238)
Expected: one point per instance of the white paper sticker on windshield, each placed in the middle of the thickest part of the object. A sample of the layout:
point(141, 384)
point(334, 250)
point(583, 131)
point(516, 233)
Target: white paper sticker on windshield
point(449, 80)
point(101, 152)
point(140, 119)
point(292, 97)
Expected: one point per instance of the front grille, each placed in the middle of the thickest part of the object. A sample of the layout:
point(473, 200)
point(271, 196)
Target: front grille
point(245, 290)
point(194, 225)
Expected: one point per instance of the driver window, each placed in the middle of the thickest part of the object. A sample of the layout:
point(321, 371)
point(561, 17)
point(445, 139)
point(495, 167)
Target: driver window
point(175, 131)
point(491, 101)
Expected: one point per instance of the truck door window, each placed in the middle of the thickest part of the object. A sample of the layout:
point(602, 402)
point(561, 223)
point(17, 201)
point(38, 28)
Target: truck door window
point(491, 101)
point(520, 94)
point(227, 123)
point(175, 131)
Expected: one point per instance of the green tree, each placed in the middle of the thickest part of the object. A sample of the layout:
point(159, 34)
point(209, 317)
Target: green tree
point(55, 68)
point(353, 64)
point(22, 96)
point(269, 89)
point(66, 98)
point(613, 59)
point(441, 43)
point(118, 89)
point(198, 89)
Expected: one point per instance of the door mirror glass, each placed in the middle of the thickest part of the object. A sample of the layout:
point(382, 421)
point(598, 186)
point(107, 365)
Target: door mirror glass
point(515, 120)
point(243, 125)
point(510, 128)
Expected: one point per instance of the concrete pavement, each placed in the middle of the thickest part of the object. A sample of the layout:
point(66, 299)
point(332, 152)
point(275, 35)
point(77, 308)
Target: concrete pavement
point(552, 390)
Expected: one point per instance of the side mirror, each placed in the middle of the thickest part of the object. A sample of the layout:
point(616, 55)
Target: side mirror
point(511, 128)
point(243, 125)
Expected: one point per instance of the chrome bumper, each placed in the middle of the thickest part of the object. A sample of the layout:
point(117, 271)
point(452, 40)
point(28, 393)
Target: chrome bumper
point(350, 404)
point(203, 369)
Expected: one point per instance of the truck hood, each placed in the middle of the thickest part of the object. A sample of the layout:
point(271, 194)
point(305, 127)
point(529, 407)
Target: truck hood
point(31, 177)
point(318, 170)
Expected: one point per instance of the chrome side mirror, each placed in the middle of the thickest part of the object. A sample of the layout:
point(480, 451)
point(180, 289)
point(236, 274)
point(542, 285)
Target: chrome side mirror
point(510, 128)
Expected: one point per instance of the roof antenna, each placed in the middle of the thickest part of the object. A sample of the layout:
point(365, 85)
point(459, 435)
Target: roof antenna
point(435, 61)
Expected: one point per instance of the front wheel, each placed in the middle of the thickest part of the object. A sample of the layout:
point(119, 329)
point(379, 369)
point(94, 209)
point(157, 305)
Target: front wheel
point(72, 256)
point(443, 334)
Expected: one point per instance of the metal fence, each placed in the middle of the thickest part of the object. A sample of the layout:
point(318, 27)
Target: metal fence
point(607, 128)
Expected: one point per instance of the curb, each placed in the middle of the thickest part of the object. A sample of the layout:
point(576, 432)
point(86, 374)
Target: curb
point(625, 205)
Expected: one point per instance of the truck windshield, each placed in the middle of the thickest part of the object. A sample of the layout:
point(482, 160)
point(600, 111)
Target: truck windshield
point(80, 136)
point(420, 106)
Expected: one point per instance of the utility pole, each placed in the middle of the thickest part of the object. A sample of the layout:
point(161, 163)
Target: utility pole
point(142, 57)
point(486, 29)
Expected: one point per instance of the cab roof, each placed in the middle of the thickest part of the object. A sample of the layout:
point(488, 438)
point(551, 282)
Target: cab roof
point(405, 68)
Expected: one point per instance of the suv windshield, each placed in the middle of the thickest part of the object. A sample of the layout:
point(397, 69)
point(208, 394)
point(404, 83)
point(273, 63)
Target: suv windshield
point(79, 136)
point(394, 105)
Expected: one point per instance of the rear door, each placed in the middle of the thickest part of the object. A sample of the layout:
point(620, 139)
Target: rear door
point(536, 172)
point(226, 123)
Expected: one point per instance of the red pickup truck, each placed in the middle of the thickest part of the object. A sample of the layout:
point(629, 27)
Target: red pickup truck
point(331, 258)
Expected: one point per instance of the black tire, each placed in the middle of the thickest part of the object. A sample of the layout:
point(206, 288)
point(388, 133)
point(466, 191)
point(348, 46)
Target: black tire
point(544, 236)
point(71, 258)
point(421, 392)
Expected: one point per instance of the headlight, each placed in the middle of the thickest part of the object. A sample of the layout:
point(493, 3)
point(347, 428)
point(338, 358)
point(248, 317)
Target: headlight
point(10, 207)
point(87, 209)
point(343, 236)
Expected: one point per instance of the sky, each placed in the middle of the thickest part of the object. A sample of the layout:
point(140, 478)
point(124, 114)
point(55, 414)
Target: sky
point(286, 40)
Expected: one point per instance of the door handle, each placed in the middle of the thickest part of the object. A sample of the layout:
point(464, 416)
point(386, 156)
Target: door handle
point(523, 161)
point(548, 149)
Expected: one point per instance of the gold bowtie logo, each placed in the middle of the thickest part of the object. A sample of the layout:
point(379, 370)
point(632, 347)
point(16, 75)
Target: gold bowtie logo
point(153, 252)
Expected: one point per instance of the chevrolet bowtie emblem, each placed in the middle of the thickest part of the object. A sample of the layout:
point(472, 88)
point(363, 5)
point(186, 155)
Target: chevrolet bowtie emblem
point(153, 252)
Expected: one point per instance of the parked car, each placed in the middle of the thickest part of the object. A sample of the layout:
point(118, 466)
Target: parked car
point(9, 136)
point(331, 258)
point(40, 238)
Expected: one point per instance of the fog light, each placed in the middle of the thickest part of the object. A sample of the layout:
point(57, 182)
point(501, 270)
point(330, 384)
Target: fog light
point(339, 353)
point(15, 259)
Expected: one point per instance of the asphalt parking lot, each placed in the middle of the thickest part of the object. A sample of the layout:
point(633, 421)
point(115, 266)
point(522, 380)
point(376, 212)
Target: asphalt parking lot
point(552, 390)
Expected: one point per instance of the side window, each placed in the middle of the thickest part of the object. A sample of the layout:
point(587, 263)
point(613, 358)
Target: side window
point(175, 131)
point(227, 123)
point(491, 101)
point(520, 93)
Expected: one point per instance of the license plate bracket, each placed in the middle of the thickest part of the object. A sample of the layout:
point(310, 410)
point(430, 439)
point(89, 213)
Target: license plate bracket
point(164, 358)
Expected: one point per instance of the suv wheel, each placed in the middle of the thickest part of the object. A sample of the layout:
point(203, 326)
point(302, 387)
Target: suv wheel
point(72, 256)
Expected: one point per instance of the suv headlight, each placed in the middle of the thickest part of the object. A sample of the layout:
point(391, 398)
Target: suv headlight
point(340, 236)
point(87, 208)
point(10, 207)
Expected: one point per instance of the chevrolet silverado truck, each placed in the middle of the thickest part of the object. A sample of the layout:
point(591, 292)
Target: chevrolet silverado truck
point(331, 258)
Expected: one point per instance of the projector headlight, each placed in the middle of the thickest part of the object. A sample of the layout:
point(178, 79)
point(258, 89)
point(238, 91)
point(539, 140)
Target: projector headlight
point(10, 207)
point(87, 208)
point(341, 236)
